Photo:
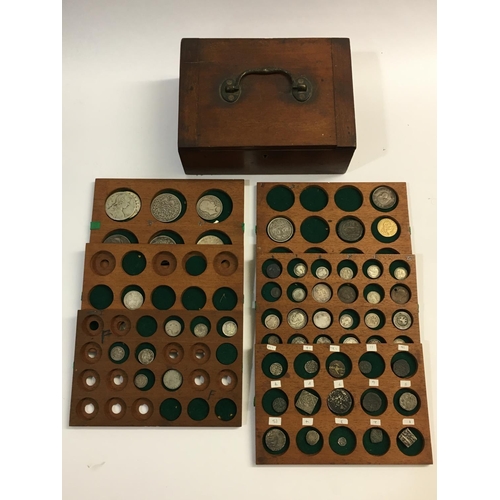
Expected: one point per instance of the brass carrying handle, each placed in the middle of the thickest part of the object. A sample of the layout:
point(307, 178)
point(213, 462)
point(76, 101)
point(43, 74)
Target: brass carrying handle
point(230, 89)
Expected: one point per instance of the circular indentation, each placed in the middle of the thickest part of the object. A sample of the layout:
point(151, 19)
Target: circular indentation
point(307, 402)
point(168, 206)
point(142, 409)
point(374, 319)
point(146, 326)
point(347, 293)
point(118, 352)
point(347, 269)
point(225, 409)
point(133, 297)
point(213, 238)
point(225, 263)
point(315, 250)
point(145, 353)
point(321, 293)
point(280, 229)
point(373, 269)
point(120, 236)
point(194, 263)
point(410, 441)
point(275, 402)
point(342, 440)
point(164, 263)
point(115, 408)
point(101, 297)
point(404, 364)
point(117, 379)
point(376, 441)
point(297, 339)
point(339, 365)
point(272, 339)
point(323, 339)
point(297, 268)
point(349, 319)
point(276, 441)
point(271, 319)
point(93, 325)
point(144, 379)
point(200, 379)
point(314, 198)
point(227, 327)
point(174, 326)
point(272, 268)
point(373, 294)
point(407, 402)
point(87, 408)
point(351, 250)
point(227, 380)
point(322, 319)
point(163, 297)
point(214, 206)
point(314, 229)
point(392, 251)
point(274, 360)
point(271, 292)
point(321, 268)
point(280, 198)
point(133, 263)
point(296, 319)
point(172, 380)
point(173, 353)
point(384, 198)
point(103, 263)
point(170, 409)
point(385, 229)
point(296, 292)
point(309, 440)
point(402, 320)
point(348, 198)
point(340, 402)
point(226, 354)
point(374, 402)
point(200, 353)
point(280, 250)
point(166, 238)
point(400, 294)
point(306, 365)
point(224, 299)
point(89, 379)
point(371, 365)
point(350, 229)
point(200, 326)
point(399, 269)
point(198, 409)
point(193, 298)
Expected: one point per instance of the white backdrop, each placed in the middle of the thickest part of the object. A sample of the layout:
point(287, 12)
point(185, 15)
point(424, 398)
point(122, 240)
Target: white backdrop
point(120, 98)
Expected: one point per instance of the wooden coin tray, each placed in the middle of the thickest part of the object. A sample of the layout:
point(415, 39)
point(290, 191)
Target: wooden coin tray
point(330, 216)
point(190, 226)
point(357, 421)
point(335, 306)
point(217, 396)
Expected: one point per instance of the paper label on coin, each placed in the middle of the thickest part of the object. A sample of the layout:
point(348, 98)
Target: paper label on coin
point(275, 383)
point(338, 383)
point(274, 420)
point(309, 383)
point(373, 382)
point(405, 383)
point(375, 421)
point(307, 348)
point(271, 347)
point(408, 421)
point(402, 347)
point(335, 348)
point(343, 421)
point(307, 421)
point(371, 347)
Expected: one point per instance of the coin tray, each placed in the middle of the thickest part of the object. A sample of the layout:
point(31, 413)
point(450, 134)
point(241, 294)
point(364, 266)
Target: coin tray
point(315, 210)
point(265, 303)
point(188, 228)
point(357, 423)
point(104, 393)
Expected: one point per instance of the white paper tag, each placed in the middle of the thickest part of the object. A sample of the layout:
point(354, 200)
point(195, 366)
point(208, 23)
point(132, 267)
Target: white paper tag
point(375, 421)
point(408, 421)
point(342, 421)
point(309, 383)
point(307, 347)
point(338, 383)
point(334, 348)
point(271, 347)
point(402, 347)
point(275, 383)
point(373, 382)
point(405, 383)
point(307, 421)
point(274, 420)
point(371, 347)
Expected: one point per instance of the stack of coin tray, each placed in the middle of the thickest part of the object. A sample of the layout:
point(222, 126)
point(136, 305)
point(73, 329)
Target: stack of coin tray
point(159, 339)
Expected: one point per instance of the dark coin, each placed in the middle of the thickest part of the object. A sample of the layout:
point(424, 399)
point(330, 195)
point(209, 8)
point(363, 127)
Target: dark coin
point(273, 270)
point(347, 294)
point(350, 230)
point(400, 295)
point(407, 437)
point(312, 437)
point(311, 366)
point(275, 439)
point(279, 405)
point(275, 292)
point(384, 197)
point(336, 368)
point(307, 402)
point(371, 402)
point(376, 436)
point(339, 402)
point(408, 401)
point(365, 367)
point(401, 368)
point(273, 340)
point(341, 441)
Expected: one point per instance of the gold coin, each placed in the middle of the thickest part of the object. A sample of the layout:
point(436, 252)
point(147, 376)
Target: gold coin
point(387, 227)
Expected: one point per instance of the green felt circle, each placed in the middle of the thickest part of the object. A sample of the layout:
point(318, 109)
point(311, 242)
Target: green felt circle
point(398, 407)
point(314, 198)
point(344, 358)
point(225, 409)
point(281, 250)
point(377, 362)
point(387, 251)
point(314, 229)
point(316, 408)
point(196, 265)
point(348, 198)
point(280, 198)
point(123, 232)
point(304, 446)
point(224, 299)
point(291, 266)
point(284, 449)
point(163, 297)
point(226, 354)
point(125, 348)
point(194, 298)
point(350, 264)
point(146, 326)
point(101, 297)
point(416, 447)
point(266, 292)
point(299, 365)
point(134, 263)
point(351, 250)
point(348, 435)
point(151, 379)
point(381, 395)
point(274, 357)
point(376, 449)
point(409, 358)
point(315, 250)
point(384, 239)
point(170, 409)
point(198, 409)
point(269, 397)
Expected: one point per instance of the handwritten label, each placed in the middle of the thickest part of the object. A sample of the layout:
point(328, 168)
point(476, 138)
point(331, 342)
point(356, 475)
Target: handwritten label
point(307, 421)
point(338, 383)
point(373, 382)
point(271, 347)
point(342, 421)
point(375, 421)
point(275, 383)
point(309, 383)
point(274, 420)
point(408, 421)
point(402, 347)
point(307, 347)
point(334, 348)
point(405, 383)
point(371, 347)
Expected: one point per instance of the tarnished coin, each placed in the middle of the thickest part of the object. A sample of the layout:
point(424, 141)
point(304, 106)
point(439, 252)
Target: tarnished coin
point(346, 273)
point(276, 369)
point(299, 270)
point(373, 340)
point(373, 297)
point(384, 197)
point(399, 340)
point(350, 230)
point(322, 272)
point(172, 379)
point(373, 271)
point(400, 294)
point(209, 207)
point(372, 320)
point(173, 328)
point(297, 319)
point(273, 340)
point(279, 405)
point(162, 239)
point(407, 437)
point(275, 292)
point(272, 321)
point(210, 239)
point(400, 273)
point(280, 229)
point(122, 205)
point(339, 401)
point(311, 366)
point(376, 435)
point(347, 294)
point(275, 439)
point(402, 320)
point(321, 293)
point(322, 319)
point(146, 356)
point(133, 300)
point(273, 270)
point(141, 380)
point(346, 321)
point(116, 238)
point(307, 402)
point(336, 368)
point(341, 441)
point(408, 401)
point(323, 340)
point(166, 207)
point(350, 340)
point(298, 294)
point(117, 353)
point(371, 402)
point(365, 367)
point(401, 368)
point(298, 339)
point(312, 437)
point(200, 330)
point(387, 228)
point(229, 328)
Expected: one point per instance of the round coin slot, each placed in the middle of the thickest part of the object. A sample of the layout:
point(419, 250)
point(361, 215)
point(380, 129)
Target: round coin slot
point(384, 199)
point(407, 402)
point(89, 379)
point(376, 339)
point(193, 298)
point(306, 365)
point(373, 402)
point(374, 319)
point(314, 198)
point(347, 293)
point(276, 441)
point(122, 204)
point(170, 409)
point(226, 354)
point(322, 319)
point(373, 294)
point(280, 198)
point(371, 365)
point(227, 380)
point(144, 379)
point(117, 379)
point(349, 339)
point(271, 292)
point(194, 263)
point(272, 268)
point(163, 297)
point(87, 408)
point(173, 353)
point(390, 251)
point(323, 339)
point(307, 402)
point(400, 294)
point(385, 229)
point(342, 441)
point(404, 364)
point(321, 293)
point(280, 229)
point(91, 352)
point(225, 263)
point(275, 402)
point(118, 352)
point(376, 441)
point(146, 326)
point(309, 440)
point(172, 380)
point(321, 269)
point(142, 409)
point(101, 297)
point(402, 339)
point(274, 365)
point(200, 326)
point(338, 365)
point(296, 292)
point(214, 206)
point(280, 250)
point(168, 205)
point(348, 198)
point(225, 409)
point(133, 263)
point(340, 402)
point(200, 353)
point(298, 339)
point(103, 263)
point(213, 238)
point(164, 263)
point(120, 236)
point(351, 250)
point(297, 268)
point(224, 299)
point(350, 229)
point(399, 269)
point(198, 409)
point(227, 327)
point(120, 325)
point(145, 353)
point(199, 379)
point(271, 339)
point(347, 269)
point(115, 408)
point(166, 238)
point(93, 325)
point(410, 441)
point(315, 250)
point(314, 229)
point(373, 269)
point(174, 326)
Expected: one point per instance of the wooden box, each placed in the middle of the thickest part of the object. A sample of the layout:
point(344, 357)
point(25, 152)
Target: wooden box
point(266, 106)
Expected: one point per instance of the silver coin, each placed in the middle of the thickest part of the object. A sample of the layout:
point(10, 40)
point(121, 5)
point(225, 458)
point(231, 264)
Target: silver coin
point(371, 402)
point(347, 294)
point(365, 367)
point(373, 297)
point(400, 294)
point(321, 293)
point(401, 368)
point(307, 402)
point(373, 271)
point(117, 353)
point(341, 441)
point(346, 321)
point(276, 369)
point(376, 436)
point(372, 320)
point(298, 339)
point(350, 340)
point(339, 401)
point(373, 341)
point(311, 366)
point(173, 328)
point(146, 356)
point(312, 437)
point(279, 405)
point(350, 230)
point(407, 437)
point(298, 295)
point(399, 340)
point(322, 272)
point(408, 401)
point(384, 197)
point(273, 340)
point(400, 273)
point(210, 239)
point(297, 319)
point(133, 300)
point(336, 368)
point(200, 330)
point(322, 319)
point(275, 292)
point(402, 320)
point(166, 207)
point(275, 439)
point(117, 238)
point(299, 270)
point(280, 229)
point(273, 270)
point(229, 328)
point(172, 379)
point(141, 381)
point(122, 205)
point(323, 340)
point(346, 273)
point(272, 321)
point(162, 239)
point(209, 207)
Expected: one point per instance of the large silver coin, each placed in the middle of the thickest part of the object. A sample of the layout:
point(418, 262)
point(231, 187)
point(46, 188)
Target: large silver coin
point(341, 441)
point(141, 381)
point(376, 436)
point(346, 273)
point(347, 294)
point(373, 297)
point(210, 239)
point(307, 402)
point(373, 271)
point(346, 321)
point(400, 273)
point(273, 270)
point(322, 319)
point(407, 437)
point(173, 328)
point(401, 368)
point(371, 402)
point(162, 239)
point(298, 295)
point(297, 319)
point(299, 270)
point(384, 197)
point(321, 293)
point(133, 300)
point(276, 369)
point(146, 356)
point(299, 339)
point(166, 207)
point(323, 340)
point(280, 229)
point(336, 368)
point(273, 340)
point(350, 230)
point(122, 205)
point(400, 295)
point(365, 367)
point(339, 401)
point(311, 366)
point(209, 207)
point(116, 238)
point(408, 401)
point(272, 321)
point(200, 330)
point(350, 340)
point(372, 320)
point(172, 379)
point(312, 437)
point(279, 405)
point(402, 320)
point(322, 272)
point(275, 439)
point(117, 353)
point(229, 328)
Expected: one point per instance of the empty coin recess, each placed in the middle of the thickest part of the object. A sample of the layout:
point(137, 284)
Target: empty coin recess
point(274, 365)
point(404, 364)
point(199, 379)
point(91, 352)
point(342, 440)
point(142, 409)
point(115, 408)
point(281, 250)
point(101, 297)
point(89, 379)
point(166, 238)
point(87, 408)
point(225, 263)
point(306, 365)
point(314, 198)
point(168, 205)
point(170, 409)
point(120, 325)
point(146, 326)
point(280, 198)
point(225, 409)
point(164, 263)
point(309, 440)
point(198, 409)
point(213, 237)
point(194, 263)
point(371, 365)
point(214, 206)
point(134, 263)
point(412, 446)
point(224, 299)
point(93, 325)
point(348, 198)
point(163, 297)
point(376, 441)
point(338, 365)
point(227, 380)
point(385, 229)
point(314, 229)
point(200, 353)
point(120, 236)
point(226, 354)
point(117, 379)
point(103, 263)
point(173, 353)
point(275, 402)
point(193, 298)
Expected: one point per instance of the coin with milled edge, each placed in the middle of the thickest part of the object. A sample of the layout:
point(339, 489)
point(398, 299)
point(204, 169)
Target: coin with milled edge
point(141, 381)
point(299, 270)
point(116, 238)
point(321, 293)
point(341, 441)
point(133, 300)
point(387, 228)
point(350, 340)
point(401, 368)
point(200, 330)
point(372, 320)
point(408, 401)
point(400, 294)
point(323, 340)
point(146, 356)
point(210, 239)
point(280, 229)
point(402, 320)
point(275, 439)
point(336, 368)
point(173, 328)
point(347, 294)
point(122, 205)
point(166, 207)
point(346, 273)
point(273, 340)
point(162, 239)
point(376, 436)
point(350, 230)
point(273, 270)
point(400, 273)
point(365, 367)
point(373, 271)
point(229, 328)
point(373, 297)
point(276, 369)
point(322, 272)
point(279, 405)
point(298, 295)
point(275, 292)
point(209, 207)
point(297, 319)
point(312, 437)
point(307, 402)
point(299, 340)
point(371, 402)
point(117, 353)
point(346, 321)
point(384, 197)
point(172, 379)
point(322, 319)
point(311, 366)
point(272, 321)
point(339, 401)
point(407, 437)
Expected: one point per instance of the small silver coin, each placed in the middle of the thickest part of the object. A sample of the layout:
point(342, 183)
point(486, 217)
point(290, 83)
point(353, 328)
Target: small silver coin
point(166, 207)
point(408, 401)
point(350, 230)
point(299, 270)
point(376, 436)
point(162, 239)
point(273, 270)
point(273, 340)
point(339, 401)
point(350, 340)
point(365, 367)
point(146, 356)
point(341, 441)
point(322, 319)
point(210, 239)
point(373, 297)
point(336, 368)
point(399, 340)
point(384, 197)
point(311, 366)
point(272, 321)
point(298, 295)
point(312, 437)
point(280, 229)
point(402, 320)
point(400, 273)
point(117, 353)
point(276, 369)
point(173, 328)
point(321, 293)
point(346, 321)
point(141, 381)
point(401, 368)
point(275, 292)
point(371, 402)
point(116, 238)
point(200, 330)
point(347, 294)
point(307, 402)
point(400, 294)
point(133, 300)
point(346, 273)
point(299, 339)
point(122, 205)
point(372, 320)
point(323, 340)
point(172, 379)
point(209, 207)
point(279, 405)
point(322, 272)
point(275, 439)
point(297, 319)
point(407, 437)
point(229, 328)
point(373, 341)
point(373, 271)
